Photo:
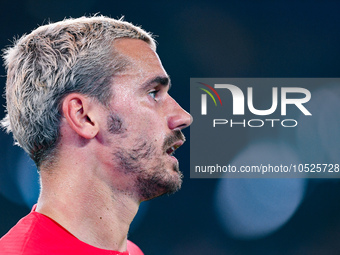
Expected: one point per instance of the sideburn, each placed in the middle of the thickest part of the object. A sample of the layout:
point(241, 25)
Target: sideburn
point(115, 124)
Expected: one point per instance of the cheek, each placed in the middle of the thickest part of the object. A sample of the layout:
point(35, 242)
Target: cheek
point(151, 127)
point(143, 118)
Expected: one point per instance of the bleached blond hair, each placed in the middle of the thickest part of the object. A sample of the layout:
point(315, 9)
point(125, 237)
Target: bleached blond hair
point(74, 55)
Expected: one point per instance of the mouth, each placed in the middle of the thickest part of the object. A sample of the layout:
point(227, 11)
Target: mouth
point(171, 150)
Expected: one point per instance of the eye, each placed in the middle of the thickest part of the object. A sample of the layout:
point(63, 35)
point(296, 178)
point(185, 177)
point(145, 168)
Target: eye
point(153, 94)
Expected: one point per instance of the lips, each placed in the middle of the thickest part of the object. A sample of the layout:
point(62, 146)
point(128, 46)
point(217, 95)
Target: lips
point(172, 142)
point(170, 151)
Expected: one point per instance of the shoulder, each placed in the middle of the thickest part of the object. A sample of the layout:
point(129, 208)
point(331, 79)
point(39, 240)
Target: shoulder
point(16, 240)
point(133, 249)
point(33, 234)
point(36, 234)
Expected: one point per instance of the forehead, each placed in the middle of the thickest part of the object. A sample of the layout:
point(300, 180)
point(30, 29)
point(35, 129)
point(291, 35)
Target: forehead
point(141, 57)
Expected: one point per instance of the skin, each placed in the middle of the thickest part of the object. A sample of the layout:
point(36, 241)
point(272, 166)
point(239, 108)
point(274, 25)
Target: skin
point(112, 158)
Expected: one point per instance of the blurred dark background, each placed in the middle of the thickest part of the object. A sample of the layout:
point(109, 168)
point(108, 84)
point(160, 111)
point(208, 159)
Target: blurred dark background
point(206, 39)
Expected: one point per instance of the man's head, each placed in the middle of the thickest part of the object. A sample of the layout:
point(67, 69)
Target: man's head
point(75, 55)
point(100, 82)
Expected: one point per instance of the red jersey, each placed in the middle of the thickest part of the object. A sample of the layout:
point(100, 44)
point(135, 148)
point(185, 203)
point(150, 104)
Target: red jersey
point(37, 234)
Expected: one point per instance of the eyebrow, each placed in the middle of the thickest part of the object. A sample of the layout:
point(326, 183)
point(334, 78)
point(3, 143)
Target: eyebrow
point(162, 80)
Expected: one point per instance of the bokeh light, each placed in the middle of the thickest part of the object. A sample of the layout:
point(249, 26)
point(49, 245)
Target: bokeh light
point(254, 208)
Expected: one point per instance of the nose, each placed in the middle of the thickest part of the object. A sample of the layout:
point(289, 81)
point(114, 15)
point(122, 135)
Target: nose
point(178, 118)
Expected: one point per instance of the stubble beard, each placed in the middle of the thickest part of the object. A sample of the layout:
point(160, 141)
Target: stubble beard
point(145, 164)
point(152, 178)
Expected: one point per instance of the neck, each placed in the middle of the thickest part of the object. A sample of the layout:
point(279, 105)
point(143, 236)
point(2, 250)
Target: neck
point(90, 209)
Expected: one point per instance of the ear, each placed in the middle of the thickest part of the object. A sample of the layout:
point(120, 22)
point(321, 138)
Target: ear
point(76, 109)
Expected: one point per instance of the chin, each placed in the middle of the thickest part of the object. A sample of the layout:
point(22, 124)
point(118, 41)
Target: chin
point(160, 183)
